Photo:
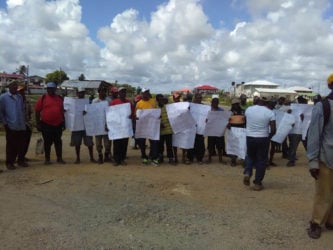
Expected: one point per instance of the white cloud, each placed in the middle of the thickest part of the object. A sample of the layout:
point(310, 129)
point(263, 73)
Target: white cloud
point(285, 41)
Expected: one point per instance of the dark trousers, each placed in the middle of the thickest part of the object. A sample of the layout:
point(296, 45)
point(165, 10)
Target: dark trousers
point(120, 149)
point(14, 146)
point(294, 140)
point(27, 138)
point(154, 148)
point(257, 156)
point(198, 151)
point(167, 140)
point(52, 134)
point(215, 142)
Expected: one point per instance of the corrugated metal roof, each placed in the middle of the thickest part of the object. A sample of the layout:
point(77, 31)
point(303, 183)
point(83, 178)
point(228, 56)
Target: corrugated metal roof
point(276, 91)
point(261, 83)
point(301, 89)
point(87, 84)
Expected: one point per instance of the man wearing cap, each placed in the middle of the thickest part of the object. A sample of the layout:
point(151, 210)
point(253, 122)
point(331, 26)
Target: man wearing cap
point(13, 118)
point(320, 156)
point(259, 119)
point(147, 102)
point(78, 136)
point(120, 145)
point(49, 112)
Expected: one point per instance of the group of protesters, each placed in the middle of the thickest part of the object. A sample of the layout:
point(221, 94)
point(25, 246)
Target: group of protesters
point(257, 121)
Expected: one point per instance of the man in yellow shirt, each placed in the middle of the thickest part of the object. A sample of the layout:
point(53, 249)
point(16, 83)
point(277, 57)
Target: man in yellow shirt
point(147, 102)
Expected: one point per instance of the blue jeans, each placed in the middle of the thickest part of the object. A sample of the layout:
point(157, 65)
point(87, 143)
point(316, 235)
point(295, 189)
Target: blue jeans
point(257, 156)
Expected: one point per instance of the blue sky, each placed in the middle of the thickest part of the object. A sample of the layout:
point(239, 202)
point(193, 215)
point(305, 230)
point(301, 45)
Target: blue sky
point(164, 45)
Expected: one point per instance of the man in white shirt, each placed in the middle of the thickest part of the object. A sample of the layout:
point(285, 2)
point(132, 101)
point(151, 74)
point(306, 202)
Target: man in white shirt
point(260, 122)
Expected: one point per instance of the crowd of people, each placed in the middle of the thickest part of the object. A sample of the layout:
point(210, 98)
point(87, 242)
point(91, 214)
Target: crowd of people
point(257, 119)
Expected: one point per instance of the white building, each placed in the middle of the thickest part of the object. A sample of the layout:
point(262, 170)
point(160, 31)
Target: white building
point(249, 88)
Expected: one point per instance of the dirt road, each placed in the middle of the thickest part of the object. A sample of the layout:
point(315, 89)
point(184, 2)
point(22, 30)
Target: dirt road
point(91, 206)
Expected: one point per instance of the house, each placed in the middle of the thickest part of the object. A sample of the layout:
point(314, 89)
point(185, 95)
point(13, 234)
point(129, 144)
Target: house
point(91, 86)
point(304, 91)
point(5, 78)
point(249, 88)
point(275, 92)
point(36, 80)
point(206, 89)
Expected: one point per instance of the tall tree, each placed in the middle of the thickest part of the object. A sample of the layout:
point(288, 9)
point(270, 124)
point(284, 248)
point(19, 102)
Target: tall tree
point(57, 77)
point(82, 77)
point(22, 70)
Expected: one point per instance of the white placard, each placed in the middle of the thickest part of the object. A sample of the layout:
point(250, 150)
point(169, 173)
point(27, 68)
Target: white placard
point(119, 122)
point(199, 113)
point(184, 139)
point(216, 123)
point(148, 124)
point(74, 108)
point(179, 116)
point(284, 128)
point(236, 142)
point(95, 118)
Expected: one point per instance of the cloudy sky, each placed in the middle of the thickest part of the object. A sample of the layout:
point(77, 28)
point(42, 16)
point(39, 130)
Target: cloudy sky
point(165, 45)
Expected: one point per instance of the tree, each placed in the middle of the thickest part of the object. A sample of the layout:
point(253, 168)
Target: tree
point(82, 77)
point(22, 70)
point(57, 77)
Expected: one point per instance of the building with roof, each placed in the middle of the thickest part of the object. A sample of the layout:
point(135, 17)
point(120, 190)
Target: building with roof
point(275, 92)
point(206, 89)
point(91, 86)
point(249, 88)
point(5, 78)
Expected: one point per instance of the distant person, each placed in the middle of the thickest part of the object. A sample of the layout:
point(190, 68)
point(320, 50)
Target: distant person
point(198, 151)
point(103, 139)
point(28, 113)
point(120, 145)
point(237, 120)
point(260, 121)
point(320, 156)
point(215, 141)
point(295, 136)
point(50, 120)
point(165, 131)
point(147, 102)
point(78, 136)
point(243, 102)
point(13, 119)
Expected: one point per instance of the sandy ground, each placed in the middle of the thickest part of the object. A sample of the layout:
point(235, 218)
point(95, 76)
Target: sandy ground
point(91, 206)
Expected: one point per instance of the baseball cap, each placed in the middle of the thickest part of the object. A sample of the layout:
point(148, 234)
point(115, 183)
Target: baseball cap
point(51, 85)
point(121, 88)
point(144, 90)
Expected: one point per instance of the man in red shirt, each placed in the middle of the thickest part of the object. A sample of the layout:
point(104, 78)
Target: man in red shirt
point(49, 111)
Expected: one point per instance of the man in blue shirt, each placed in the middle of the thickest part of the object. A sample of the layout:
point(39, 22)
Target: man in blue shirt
point(13, 119)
